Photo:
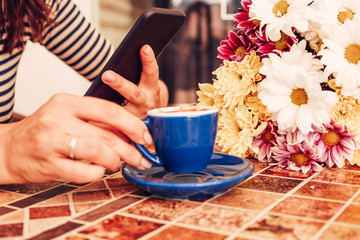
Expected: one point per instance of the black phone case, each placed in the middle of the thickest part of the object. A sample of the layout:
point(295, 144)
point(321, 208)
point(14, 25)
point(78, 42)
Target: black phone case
point(155, 27)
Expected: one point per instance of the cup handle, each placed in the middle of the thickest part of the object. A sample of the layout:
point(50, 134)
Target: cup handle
point(145, 152)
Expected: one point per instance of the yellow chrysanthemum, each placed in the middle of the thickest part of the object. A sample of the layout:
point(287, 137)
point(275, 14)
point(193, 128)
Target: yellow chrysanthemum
point(256, 107)
point(208, 97)
point(236, 131)
point(206, 94)
point(253, 64)
point(237, 79)
point(347, 111)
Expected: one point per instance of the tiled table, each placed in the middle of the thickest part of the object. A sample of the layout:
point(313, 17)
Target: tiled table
point(271, 204)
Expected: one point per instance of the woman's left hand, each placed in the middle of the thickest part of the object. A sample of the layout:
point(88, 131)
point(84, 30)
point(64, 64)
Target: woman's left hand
point(150, 93)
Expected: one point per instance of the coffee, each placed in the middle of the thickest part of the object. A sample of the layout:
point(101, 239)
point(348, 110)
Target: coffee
point(183, 109)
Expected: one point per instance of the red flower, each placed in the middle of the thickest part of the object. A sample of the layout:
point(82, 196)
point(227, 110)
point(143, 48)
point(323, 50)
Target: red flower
point(244, 24)
point(235, 47)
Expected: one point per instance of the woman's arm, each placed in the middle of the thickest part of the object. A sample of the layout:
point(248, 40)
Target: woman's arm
point(38, 148)
point(75, 41)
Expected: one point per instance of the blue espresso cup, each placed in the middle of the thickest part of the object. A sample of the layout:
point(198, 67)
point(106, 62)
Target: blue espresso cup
point(184, 137)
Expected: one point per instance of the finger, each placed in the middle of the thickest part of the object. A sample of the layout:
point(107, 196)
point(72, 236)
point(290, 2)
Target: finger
point(126, 88)
point(133, 157)
point(109, 113)
point(95, 151)
point(150, 68)
point(113, 130)
point(77, 172)
point(102, 147)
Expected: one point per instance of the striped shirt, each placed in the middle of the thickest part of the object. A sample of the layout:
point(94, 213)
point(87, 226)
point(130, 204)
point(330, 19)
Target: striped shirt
point(72, 39)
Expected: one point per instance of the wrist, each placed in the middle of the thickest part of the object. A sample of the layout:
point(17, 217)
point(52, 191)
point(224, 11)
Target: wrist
point(5, 158)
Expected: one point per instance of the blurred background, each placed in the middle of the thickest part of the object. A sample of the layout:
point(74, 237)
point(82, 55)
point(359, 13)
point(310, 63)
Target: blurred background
point(188, 60)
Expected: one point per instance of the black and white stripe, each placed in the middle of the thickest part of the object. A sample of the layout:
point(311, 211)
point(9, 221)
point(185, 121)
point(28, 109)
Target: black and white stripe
point(73, 39)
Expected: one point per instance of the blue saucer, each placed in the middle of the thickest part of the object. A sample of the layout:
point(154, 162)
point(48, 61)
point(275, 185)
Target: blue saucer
point(222, 173)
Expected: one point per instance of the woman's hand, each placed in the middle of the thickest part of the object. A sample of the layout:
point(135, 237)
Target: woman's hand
point(38, 148)
point(149, 94)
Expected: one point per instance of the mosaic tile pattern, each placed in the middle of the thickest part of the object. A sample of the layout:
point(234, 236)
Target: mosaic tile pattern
point(272, 204)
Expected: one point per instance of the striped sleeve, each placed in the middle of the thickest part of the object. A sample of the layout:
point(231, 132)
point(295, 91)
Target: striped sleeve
point(75, 41)
point(8, 68)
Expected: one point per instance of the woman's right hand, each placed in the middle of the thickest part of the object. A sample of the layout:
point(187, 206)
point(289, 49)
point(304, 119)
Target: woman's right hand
point(37, 148)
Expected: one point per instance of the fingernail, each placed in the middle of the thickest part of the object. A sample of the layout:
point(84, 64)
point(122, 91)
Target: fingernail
point(120, 165)
point(147, 51)
point(147, 138)
point(109, 77)
point(145, 163)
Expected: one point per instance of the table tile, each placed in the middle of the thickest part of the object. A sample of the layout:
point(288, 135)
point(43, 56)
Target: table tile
point(29, 188)
point(163, 209)
point(107, 209)
point(121, 227)
point(5, 210)
point(11, 230)
point(283, 227)
point(340, 232)
point(219, 218)
point(339, 176)
point(327, 191)
point(90, 196)
point(42, 196)
point(181, 233)
point(56, 231)
point(247, 199)
point(351, 214)
point(49, 212)
point(311, 208)
point(270, 184)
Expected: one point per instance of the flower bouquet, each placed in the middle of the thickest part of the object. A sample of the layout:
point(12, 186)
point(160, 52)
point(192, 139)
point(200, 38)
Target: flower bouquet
point(288, 89)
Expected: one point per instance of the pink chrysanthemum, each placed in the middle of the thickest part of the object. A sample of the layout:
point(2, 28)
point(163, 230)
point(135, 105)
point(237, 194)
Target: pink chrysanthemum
point(265, 141)
point(235, 47)
point(296, 137)
point(243, 22)
point(339, 144)
point(296, 157)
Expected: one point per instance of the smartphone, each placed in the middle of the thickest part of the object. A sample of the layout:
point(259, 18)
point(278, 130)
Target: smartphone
point(155, 27)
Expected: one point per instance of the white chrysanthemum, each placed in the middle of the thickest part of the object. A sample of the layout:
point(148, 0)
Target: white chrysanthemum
point(295, 99)
point(312, 34)
point(341, 56)
point(297, 56)
point(331, 13)
point(280, 16)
